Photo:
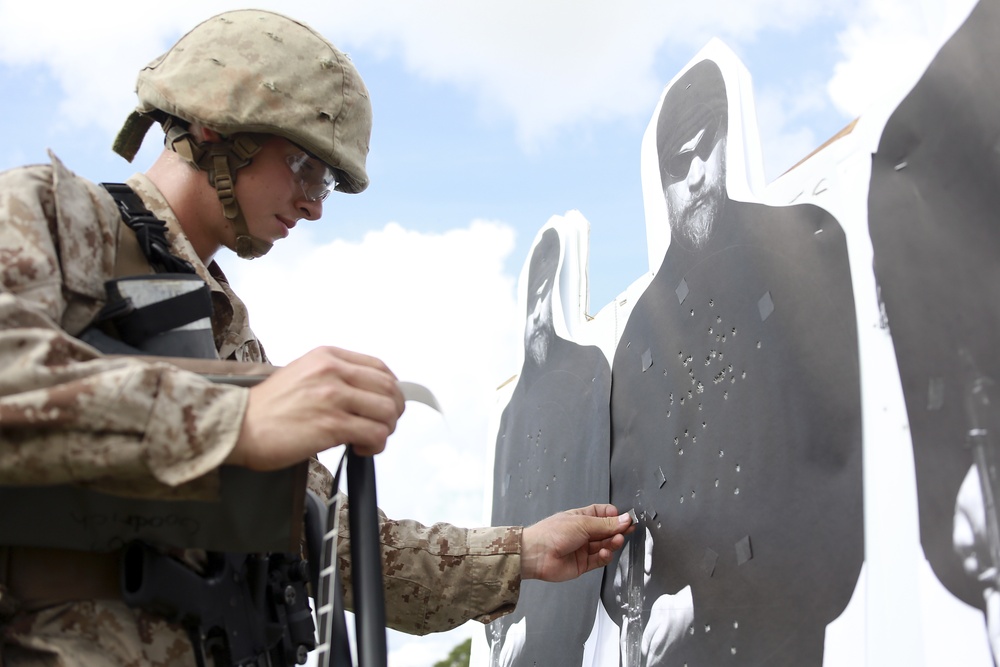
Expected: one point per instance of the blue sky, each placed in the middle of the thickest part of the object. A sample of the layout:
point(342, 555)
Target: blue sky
point(490, 117)
point(447, 149)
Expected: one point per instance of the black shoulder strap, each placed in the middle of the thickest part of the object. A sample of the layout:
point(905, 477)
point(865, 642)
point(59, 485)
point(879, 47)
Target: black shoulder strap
point(150, 231)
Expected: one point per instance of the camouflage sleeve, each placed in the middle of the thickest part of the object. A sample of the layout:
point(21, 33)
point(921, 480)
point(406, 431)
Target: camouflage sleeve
point(68, 414)
point(441, 576)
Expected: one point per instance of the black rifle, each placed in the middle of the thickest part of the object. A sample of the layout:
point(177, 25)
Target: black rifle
point(366, 566)
point(244, 608)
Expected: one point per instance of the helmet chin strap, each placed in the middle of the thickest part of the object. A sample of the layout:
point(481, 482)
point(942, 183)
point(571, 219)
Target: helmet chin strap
point(221, 160)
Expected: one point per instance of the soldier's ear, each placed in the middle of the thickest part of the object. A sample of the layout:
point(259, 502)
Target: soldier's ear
point(202, 133)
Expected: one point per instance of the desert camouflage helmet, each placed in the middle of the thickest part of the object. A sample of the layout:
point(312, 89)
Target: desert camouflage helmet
point(258, 71)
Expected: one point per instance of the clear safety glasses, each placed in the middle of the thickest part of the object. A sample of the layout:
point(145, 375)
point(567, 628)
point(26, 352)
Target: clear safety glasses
point(316, 178)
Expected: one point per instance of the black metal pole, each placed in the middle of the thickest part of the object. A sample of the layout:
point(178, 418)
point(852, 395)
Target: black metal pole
point(366, 562)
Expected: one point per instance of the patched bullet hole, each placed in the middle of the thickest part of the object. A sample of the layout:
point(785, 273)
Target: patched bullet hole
point(721, 453)
point(682, 500)
point(681, 291)
point(736, 491)
point(765, 306)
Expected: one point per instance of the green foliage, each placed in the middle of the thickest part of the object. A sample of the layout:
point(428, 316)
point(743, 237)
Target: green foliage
point(459, 656)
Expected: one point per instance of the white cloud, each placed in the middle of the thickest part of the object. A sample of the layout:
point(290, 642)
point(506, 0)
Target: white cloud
point(784, 136)
point(544, 65)
point(886, 47)
point(553, 64)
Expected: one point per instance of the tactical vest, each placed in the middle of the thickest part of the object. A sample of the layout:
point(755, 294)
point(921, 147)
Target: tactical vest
point(157, 305)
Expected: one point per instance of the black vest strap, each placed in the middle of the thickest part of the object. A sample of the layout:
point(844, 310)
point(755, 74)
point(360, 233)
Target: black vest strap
point(150, 231)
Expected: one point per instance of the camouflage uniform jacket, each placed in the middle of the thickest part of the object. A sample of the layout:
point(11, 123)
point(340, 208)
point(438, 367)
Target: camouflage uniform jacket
point(70, 415)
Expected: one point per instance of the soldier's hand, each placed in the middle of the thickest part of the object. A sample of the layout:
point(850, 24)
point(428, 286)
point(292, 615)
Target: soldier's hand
point(325, 398)
point(571, 543)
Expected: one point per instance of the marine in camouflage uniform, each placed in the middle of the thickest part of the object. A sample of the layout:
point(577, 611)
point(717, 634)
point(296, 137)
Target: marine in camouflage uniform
point(69, 415)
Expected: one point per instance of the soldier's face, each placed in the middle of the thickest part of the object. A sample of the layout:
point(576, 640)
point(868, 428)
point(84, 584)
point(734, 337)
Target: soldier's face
point(271, 195)
point(538, 328)
point(695, 199)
